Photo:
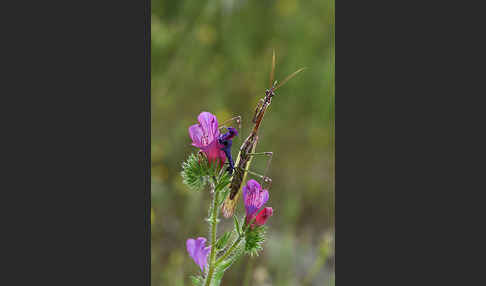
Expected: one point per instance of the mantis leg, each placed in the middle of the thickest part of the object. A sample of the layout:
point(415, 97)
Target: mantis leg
point(264, 177)
point(237, 119)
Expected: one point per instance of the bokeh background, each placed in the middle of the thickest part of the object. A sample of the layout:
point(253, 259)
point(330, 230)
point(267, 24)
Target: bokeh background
point(216, 56)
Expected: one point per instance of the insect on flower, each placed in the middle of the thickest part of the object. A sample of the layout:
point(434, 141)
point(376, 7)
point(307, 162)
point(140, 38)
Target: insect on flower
point(226, 140)
point(247, 150)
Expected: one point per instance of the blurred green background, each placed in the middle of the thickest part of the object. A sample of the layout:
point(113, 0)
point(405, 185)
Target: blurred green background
point(215, 56)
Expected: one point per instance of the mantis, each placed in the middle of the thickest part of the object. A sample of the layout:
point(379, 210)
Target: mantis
point(240, 168)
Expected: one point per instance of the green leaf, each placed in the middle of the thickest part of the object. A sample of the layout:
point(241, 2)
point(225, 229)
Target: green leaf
point(223, 181)
point(237, 225)
point(224, 194)
point(195, 172)
point(213, 168)
point(225, 264)
point(197, 280)
point(222, 186)
point(223, 240)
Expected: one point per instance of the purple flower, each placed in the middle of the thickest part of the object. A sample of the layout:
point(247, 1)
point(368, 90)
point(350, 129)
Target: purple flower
point(205, 136)
point(254, 197)
point(226, 141)
point(232, 132)
point(198, 252)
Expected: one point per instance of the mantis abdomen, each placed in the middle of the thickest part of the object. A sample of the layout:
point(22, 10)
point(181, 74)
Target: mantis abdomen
point(242, 163)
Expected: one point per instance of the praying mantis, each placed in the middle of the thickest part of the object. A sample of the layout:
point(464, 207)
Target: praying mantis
point(240, 168)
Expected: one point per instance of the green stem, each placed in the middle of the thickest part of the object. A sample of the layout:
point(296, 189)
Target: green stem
point(213, 228)
point(249, 267)
point(230, 250)
point(235, 244)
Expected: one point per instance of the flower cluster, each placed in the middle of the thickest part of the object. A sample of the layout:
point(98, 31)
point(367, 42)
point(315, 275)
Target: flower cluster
point(255, 198)
point(206, 137)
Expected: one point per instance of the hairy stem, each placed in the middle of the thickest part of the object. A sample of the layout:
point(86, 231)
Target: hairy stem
point(249, 267)
point(213, 222)
point(237, 241)
point(230, 250)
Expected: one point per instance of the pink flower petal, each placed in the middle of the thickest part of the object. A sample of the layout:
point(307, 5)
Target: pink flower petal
point(209, 126)
point(263, 215)
point(196, 134)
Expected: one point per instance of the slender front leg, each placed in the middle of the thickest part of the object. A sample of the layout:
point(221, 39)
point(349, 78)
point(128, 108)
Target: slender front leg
point(237, 119)
point(264, 177)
